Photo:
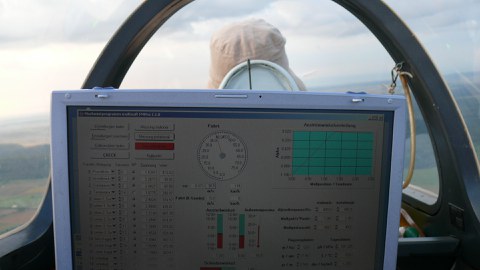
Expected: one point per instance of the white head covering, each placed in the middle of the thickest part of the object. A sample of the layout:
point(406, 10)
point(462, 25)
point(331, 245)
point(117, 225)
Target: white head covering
point(252, 39)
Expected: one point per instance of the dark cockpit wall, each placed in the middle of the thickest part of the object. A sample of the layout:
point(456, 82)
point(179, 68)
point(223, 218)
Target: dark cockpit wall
point(451, 224)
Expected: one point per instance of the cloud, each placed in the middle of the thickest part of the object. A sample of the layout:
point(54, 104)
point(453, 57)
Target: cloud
point(413, 10)
point(204, 17)
point(438, 15)
point(30, 74)
point(312, 27)
point(34, 22)
point(308, 17)
point(294, 18)
point(201, 10)
point(30, 22)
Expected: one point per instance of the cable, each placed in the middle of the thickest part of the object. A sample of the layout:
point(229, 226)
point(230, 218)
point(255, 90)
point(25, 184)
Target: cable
point(397, 72)
point(403, 78)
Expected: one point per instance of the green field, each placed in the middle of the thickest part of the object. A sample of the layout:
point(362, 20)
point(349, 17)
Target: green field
point(19, 200)
point(426, 178)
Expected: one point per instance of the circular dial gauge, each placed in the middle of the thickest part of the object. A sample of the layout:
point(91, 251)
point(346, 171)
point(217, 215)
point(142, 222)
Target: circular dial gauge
point(222, 155)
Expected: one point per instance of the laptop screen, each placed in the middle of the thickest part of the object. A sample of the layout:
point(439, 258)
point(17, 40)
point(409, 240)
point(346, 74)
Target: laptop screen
point(228, 188)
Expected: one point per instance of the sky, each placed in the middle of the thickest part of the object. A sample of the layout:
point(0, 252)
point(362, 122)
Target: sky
point(52, 44)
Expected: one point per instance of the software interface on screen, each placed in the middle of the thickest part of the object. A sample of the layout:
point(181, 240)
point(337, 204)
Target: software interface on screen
point(226, 189)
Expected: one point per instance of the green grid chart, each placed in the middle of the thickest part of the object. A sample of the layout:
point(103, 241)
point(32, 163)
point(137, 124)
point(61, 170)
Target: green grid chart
point(332, 153)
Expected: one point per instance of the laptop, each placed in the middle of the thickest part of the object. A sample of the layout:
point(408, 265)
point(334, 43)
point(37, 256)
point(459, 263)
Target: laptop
point(226, 180)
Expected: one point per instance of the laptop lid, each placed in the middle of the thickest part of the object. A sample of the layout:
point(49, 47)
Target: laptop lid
point(184, 179)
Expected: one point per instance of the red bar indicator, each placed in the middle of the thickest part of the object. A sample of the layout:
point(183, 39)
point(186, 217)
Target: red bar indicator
point(241, 231)
point(219, 231)
point(219, 240)
point(154, 146)
point(241, 243)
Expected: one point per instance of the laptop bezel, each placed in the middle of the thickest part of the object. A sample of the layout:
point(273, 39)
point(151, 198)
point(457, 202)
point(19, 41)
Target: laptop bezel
point(211, 99)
